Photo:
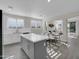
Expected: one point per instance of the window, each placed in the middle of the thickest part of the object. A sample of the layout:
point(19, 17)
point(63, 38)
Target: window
point(71, 27)
point(11, 23)
point(15, 23)
point(20, 23)
point(36, 24)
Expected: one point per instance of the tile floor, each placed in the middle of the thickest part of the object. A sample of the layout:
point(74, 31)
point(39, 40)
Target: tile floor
point(14, 51)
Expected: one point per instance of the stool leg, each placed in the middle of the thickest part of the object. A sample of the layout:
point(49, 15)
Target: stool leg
point(50, 44)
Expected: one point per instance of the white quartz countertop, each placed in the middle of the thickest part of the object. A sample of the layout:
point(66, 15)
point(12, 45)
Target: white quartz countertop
point(34, 37)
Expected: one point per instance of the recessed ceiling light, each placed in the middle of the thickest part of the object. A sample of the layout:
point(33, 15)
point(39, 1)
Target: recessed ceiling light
point(10, 8)
point(49, 0)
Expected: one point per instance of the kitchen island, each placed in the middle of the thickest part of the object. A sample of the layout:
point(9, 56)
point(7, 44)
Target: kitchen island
point(33, 45)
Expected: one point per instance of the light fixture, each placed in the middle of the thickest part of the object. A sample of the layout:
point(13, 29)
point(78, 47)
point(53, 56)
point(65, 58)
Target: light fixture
point(49, 0)
point(10, 8)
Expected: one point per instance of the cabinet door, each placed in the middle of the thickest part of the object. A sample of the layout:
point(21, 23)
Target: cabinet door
point(40, 50)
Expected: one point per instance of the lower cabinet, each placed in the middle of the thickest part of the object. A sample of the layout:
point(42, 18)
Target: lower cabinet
point(40, 50)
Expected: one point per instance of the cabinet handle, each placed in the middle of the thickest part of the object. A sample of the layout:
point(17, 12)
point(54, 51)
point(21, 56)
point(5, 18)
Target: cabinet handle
point(28, 47)
point(44, 44)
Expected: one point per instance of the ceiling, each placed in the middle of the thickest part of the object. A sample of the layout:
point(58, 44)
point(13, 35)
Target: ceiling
point(40, 8)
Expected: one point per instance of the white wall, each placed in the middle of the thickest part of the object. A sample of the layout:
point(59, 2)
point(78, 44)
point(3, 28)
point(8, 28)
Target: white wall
point(7, 33)
point(10, 36)
point(74, 19)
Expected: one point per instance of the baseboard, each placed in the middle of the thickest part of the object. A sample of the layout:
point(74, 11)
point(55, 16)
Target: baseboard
point(11, 43)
